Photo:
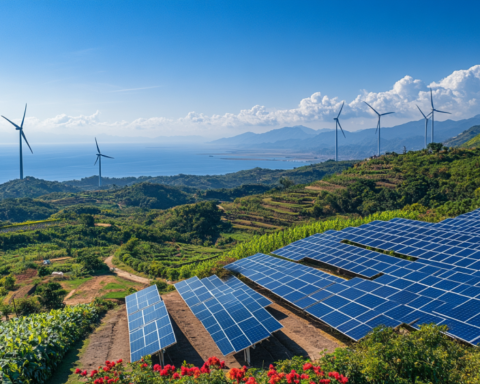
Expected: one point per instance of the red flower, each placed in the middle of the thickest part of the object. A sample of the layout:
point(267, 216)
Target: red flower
point(175, 376)
point(205, 368)
point(303, 376)
point(237, 374)
point(93, 373)
point(78, 371)
point(336, 375)
point(307, 366)
point(222, 364)
point(157, 367)
point(342, 379)
point(325, 381)
point(84, 373)
point(119, 361)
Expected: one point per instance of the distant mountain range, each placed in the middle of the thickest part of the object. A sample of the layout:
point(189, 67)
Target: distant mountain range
point(356, 145)
point(298, 132)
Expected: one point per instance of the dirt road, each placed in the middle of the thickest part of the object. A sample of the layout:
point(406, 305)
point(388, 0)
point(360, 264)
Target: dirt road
point(124, 274)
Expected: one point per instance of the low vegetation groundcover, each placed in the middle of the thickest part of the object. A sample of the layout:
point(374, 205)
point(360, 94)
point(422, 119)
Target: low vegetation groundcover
point(32, 346)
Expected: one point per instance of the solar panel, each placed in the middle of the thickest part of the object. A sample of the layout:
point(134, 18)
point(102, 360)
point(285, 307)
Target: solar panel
point(233, 313)
point(149, 326)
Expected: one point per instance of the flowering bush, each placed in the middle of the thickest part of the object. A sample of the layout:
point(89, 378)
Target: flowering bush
point(212, 371)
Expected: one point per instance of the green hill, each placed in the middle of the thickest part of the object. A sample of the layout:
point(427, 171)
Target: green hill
point(463, 138)
point(300, 175)
point(472, 143)
point(32, 187)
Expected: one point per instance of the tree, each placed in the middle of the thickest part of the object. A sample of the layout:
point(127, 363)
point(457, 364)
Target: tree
point(9, 282)
point(51, 295)
point(285, 182)
point(6, 310)
point(87, 220)
point(435, 147)
point(27, 306)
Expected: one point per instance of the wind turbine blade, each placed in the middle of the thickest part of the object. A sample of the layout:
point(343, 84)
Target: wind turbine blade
point(107, 156)
point(11, 122)
point(98, 149)
point(431, 97)
point(421, 112)
point(26, 140)
point(340, 110)
point(372, 108)
point(96, 160)
point(341, 128)
point(24, 113)
point(388, 113)
point(436, 110)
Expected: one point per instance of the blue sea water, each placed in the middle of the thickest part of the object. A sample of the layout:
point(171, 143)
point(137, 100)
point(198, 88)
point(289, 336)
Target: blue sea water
point(67, 162)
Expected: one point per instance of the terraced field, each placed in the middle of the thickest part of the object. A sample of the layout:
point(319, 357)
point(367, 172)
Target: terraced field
point(272, 211)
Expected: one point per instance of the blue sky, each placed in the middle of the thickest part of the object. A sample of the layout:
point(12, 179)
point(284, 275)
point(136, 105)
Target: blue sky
point(151, 68)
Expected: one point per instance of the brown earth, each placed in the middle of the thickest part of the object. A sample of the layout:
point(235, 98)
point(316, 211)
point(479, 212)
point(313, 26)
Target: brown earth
point(21, 293)
point(109, 341)
point(88, 291)
point(102, 225)
point(195, 345)
point(124, 274)
point(29, 274)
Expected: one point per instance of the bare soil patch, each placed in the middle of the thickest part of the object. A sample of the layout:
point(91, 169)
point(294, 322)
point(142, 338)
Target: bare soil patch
point(29, 274)
point(102, 225)
point(88, 291)
point(109, 341)
point(21, 293)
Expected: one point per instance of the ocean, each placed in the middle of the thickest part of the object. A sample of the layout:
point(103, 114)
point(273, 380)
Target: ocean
point(68, 162)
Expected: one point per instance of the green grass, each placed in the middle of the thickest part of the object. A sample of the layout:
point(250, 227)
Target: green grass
point(115, 295)
point(114, 286)
point(74, 284)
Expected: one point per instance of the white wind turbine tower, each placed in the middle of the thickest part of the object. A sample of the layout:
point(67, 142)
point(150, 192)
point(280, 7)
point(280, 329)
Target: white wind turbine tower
point(99, 159)
point(20, 129)
point(337, 124)
point(426, 123)
point(378, 124)
point(433, 111)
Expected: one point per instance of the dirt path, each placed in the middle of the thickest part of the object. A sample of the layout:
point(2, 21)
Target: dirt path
point(124, 274)
point(298, 337)
point(109, 341)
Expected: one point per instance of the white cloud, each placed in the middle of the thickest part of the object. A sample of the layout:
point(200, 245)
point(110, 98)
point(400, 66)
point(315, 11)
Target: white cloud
point(458, 93)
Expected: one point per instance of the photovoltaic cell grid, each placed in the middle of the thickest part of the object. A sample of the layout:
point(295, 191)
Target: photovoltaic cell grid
point(149, 325)
point(446, 272)
point(356, 306)
point(231, 312)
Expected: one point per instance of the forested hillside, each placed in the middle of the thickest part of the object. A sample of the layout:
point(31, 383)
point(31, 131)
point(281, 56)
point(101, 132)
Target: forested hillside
point(32, 187)
point(305, 174)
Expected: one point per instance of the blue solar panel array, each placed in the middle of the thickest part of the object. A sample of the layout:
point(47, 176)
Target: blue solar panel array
point(442, 286)
point(354, 307)
point(149, 325)
point(230, 311)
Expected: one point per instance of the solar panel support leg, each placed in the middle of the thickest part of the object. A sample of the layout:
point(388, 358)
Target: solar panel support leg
point(246, 354)
point(161, 358)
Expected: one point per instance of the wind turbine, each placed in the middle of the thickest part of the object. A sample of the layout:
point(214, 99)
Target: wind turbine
point(337, 124)
point(99, 159)
point(378, 124)
point(20, 129)
point(426, 123)
point(434, 110)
